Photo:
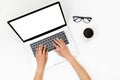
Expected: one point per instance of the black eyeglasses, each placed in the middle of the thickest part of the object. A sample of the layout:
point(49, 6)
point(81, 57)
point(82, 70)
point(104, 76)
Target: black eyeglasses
point(79, 18)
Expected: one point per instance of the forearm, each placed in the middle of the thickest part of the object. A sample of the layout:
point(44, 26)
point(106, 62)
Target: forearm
point(79, 69)
point(39, 74)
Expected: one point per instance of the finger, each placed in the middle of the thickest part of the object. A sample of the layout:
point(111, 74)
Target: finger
point(55, 45)
point(58, 40)
point(46, 53)
point(40, 49)
point(58, 43)
point(62, 42)
point(37, 51)
point(44, 49)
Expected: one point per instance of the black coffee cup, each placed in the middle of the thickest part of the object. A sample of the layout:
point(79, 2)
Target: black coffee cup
point(88, 32)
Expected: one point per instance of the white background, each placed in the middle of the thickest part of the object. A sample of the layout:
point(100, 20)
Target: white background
point(100, 55)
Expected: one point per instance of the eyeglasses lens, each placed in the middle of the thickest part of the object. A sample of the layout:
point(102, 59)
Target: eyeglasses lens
point(77, 19)
point(87, 19)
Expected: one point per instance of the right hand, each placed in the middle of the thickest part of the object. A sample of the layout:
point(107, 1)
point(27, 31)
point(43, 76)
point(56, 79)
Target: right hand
point(62, 49)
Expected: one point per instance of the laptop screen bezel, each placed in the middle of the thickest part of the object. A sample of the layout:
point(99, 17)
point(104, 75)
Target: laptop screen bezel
point(36, 36)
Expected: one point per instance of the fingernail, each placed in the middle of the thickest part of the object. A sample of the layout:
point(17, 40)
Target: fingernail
point(45, 46)
point(40, 45)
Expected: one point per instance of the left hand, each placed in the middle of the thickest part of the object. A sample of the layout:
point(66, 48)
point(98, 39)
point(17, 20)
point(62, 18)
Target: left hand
point(41, 57)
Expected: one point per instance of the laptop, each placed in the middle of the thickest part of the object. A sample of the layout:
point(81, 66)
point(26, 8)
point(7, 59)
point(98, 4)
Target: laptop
point(42, 26)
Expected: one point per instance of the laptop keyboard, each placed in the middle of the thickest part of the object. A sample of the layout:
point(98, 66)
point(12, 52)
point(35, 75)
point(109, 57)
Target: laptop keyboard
point(49, 42)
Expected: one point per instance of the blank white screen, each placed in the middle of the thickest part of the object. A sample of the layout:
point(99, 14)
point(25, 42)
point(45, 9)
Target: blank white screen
point(39, 22)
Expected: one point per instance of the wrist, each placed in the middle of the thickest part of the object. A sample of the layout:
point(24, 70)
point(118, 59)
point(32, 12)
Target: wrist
point(70, 58)
point(40, 66)
point(40, 69)
point(39, 72)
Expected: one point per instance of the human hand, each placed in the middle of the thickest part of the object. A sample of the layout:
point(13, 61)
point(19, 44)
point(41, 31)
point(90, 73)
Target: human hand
point(41, 57)
point(62, 49)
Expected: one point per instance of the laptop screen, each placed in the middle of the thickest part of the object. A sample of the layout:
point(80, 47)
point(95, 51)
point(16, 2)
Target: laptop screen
point(38, 22)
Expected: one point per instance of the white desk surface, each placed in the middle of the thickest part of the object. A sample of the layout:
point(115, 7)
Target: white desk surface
point(100, 55)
